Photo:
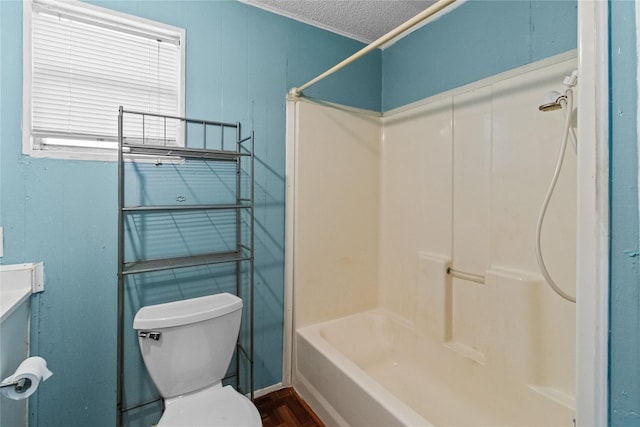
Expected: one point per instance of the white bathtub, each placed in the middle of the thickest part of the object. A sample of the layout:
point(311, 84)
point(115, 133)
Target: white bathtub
point(372, 369)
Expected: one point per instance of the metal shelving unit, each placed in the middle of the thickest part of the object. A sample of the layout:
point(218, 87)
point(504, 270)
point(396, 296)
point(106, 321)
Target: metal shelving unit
point(159, 138)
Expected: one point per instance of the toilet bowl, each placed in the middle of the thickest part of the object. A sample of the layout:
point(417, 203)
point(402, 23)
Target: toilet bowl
point(187, 346)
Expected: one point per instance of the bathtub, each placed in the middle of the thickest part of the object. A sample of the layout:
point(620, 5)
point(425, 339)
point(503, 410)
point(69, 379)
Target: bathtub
point(373, 369)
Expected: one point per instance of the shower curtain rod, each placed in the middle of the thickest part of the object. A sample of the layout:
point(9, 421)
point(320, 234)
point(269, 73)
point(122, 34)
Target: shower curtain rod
point(431, 10)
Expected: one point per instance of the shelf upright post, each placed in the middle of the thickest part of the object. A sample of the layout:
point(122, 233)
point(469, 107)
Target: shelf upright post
point(252, 262)
point(238, 240)
point(120, 297)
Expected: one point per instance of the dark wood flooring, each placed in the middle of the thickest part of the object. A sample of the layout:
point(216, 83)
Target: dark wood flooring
point(284, 408)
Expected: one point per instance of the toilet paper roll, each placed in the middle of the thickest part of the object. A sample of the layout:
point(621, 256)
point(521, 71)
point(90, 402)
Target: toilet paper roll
point(33, 369)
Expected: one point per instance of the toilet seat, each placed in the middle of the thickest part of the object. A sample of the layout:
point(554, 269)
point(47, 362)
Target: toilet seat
point(213, 407)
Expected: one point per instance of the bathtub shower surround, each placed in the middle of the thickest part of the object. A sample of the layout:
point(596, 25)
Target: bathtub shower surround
point(384, 209)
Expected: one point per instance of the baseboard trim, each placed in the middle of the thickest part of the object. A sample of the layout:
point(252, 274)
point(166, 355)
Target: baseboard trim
point(267, 390)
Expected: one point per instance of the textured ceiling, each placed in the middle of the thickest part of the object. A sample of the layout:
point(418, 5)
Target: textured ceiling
point(363, 20)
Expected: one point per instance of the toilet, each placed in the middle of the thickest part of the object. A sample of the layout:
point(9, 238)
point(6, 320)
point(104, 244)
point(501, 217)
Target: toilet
point(187, 347)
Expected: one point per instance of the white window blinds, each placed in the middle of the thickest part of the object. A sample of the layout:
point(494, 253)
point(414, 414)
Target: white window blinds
point(86, 62)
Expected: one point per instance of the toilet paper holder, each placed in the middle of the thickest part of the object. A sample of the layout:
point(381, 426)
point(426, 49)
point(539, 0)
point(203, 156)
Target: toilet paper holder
point(20, 386)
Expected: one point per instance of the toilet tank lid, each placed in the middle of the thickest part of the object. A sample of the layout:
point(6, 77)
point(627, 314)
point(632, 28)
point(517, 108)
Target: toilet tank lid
point(186, 311)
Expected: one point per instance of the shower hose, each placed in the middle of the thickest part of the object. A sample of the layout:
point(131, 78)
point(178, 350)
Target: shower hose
point(567, 107)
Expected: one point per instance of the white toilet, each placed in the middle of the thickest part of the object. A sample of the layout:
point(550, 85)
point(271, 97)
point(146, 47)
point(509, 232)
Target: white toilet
point(187, 346)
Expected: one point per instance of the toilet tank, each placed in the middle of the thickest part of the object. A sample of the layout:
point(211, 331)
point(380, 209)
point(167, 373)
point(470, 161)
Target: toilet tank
point(187, 345)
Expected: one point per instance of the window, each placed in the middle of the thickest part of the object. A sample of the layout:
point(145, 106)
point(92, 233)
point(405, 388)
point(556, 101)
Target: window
point(82, 62)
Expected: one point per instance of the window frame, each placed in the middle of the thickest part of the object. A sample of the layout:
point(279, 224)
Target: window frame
point(109, 18)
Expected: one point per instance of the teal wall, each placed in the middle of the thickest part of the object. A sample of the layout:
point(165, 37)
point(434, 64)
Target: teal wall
point(624, 347)
point(241, 61)
point(474, 41)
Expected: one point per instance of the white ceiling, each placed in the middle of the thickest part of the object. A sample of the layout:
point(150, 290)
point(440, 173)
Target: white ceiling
point(363, 20)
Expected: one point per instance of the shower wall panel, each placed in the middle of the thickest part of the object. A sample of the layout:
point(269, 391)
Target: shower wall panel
point(336, 212)
point(416, 199)
point(525, 149)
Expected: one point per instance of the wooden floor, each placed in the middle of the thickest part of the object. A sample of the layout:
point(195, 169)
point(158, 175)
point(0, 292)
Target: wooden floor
point(284, 408)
